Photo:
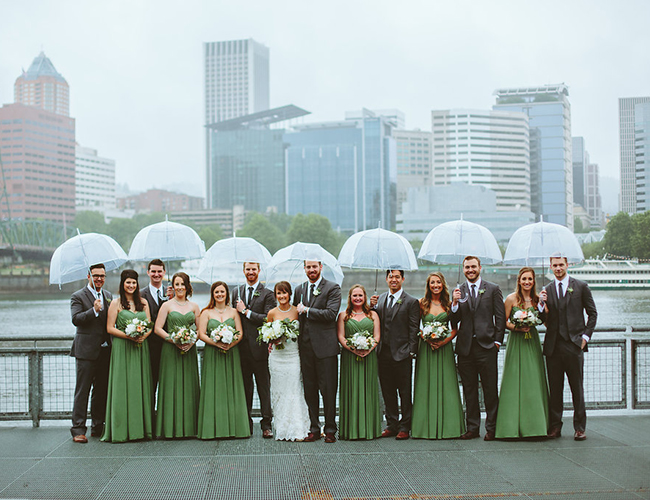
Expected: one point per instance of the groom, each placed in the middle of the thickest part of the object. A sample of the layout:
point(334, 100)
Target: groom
point(318, 301)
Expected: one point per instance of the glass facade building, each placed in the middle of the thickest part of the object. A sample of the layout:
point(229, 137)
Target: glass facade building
point(344, 170)
point(642, 155)
point(551, 169)
point(627, 107)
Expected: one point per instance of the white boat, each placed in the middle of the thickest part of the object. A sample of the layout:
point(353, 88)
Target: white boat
point(609, 274)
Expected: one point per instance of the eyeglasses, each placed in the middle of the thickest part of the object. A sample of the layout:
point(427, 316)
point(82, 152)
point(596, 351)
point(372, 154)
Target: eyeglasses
point(98, 276)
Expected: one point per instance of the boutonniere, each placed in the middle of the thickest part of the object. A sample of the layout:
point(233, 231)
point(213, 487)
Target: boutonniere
point(399, 301)
point(316, 292)
point(481, 291)
point(256, 294)
point(570, 290)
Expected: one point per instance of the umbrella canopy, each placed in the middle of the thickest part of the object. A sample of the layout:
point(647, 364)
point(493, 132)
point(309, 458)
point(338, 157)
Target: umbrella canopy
point(533, 244)
point(72, 260)
point(450, 242)
point(224, 260)
point(378, 249)
point(167, 241)
point(287, 264)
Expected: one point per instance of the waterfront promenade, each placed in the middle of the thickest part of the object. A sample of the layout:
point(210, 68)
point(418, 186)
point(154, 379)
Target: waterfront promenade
point(613, 463)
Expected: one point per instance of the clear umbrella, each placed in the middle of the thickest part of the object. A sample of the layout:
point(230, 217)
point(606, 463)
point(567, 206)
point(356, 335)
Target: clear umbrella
point(72, 260)
point(167, 241)
point(287, 264)
point(534, 244)
point(223, 260)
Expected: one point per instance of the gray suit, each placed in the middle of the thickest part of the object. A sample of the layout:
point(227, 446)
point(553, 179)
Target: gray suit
point(482, 323)
point(92, 360)
point(565, 326)
point(400, 325)
point(319, 349)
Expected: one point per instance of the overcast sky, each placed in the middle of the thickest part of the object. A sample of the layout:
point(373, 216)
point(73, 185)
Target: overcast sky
point(135, 66)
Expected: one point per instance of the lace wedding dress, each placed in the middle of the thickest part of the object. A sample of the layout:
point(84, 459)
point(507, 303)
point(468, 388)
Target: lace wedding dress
point(290, 415)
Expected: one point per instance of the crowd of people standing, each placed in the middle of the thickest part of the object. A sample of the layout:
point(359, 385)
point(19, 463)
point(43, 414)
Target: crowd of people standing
point(141, 346)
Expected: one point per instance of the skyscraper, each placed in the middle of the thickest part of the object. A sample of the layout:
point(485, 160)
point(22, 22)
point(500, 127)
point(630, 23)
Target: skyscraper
point(627, 108)
point(43, 87)
point(487, 148)
point(642, 149)
point(551, 172)
point(580, 162)
point(94, 181)
point(414, 155)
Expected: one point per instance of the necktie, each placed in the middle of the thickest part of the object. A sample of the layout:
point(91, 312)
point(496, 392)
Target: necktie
point(160, 296)
point(473, 291)
point(391, 298)
point(561, 292)
point(250, 295)
point(311, 291)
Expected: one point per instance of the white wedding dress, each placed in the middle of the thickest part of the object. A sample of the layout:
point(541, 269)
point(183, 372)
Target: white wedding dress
point(290, 415)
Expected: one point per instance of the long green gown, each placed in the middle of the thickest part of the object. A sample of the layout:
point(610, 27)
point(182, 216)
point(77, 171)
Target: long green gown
point(523, 400)
point(178, 387)
point(222, 409)
point(129, 402)
point(359, 411)
point(437, 407)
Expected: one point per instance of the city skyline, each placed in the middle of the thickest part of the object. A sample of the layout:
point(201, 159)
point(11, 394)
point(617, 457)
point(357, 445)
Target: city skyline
point(135, 88)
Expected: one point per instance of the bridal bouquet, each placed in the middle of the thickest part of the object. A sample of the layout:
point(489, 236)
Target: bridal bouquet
point(279, 330)
point(434, 330)
point(225, 334)
point(523, 318)
point(362, 341)
point(137, 328)
point(183, 335)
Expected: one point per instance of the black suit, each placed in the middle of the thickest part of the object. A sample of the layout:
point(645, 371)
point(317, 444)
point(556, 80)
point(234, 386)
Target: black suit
point(155, 342)
point(400, 325)
point(319, 349)
point(565, 326)
point(482, 323)
point(92, 360)
point(255, 356)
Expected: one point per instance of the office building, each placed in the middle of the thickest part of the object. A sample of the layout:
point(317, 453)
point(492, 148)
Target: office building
point(580, 160)
point(549, 119)
point(43, 87)
point(642, 152)
point(414, 157)
point(94, 181)
point(627, 107)
point(344, 170)
point(486, 148)
point(593, 200)
point(160, 200)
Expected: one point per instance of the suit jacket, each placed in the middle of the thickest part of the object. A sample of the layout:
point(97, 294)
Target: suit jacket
point(485, 318)
point(260, 305)
point(154, 307)
point(578, 301)
point(399, 325)
point(320, 324)
point(91, 330)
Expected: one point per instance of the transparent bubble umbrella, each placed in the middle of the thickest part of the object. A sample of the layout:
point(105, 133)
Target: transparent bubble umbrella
point(533, 245)
point(167, 241)
point(224, 260)
point(287, 264)
point(72, 260)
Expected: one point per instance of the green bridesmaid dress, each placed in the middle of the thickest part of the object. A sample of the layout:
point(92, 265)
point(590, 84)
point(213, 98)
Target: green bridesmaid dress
point(178, 386)
point(359, 411)
point(222, 409)
point(437, 407)
point(129, 401)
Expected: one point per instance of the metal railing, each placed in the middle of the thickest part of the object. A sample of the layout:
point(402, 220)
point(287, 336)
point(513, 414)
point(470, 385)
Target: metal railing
point(37, 376)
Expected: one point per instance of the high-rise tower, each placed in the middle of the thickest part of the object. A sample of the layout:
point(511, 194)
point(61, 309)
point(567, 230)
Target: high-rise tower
point(42, 86)
point(629, 123)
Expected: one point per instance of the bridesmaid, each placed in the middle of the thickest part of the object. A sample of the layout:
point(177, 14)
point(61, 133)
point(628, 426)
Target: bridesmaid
point(359, 412)
point(437, 408)
point(178, 387)
point(523, 400)
point(223, 411)
point(129, 402)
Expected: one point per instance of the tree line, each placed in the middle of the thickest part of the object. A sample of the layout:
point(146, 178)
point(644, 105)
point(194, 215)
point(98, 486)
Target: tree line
point(627, 236)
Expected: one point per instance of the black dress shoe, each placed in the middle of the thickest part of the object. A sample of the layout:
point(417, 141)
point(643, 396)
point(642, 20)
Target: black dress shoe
point(311, 437)
point(470, 435)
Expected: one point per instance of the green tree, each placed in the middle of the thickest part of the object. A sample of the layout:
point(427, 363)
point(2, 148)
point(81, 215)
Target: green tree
point(123, 231)
point(641, 237)
point(281, 221)
point(260, 229)
point(578, 226)
point(619, 234)
point(90, 222)
point(593, 250)
point(210, 234)
point(314, 228)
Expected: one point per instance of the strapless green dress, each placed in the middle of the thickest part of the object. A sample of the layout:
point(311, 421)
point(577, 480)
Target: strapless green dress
point(222, 409)
point(359, 410)
point(129, 408)
point(178, 387)
point(523, 399)
point(437, 407)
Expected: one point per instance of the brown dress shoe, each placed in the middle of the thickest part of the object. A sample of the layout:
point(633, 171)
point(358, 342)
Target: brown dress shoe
point(489, 436)
point(311, 437)
point(470, 435)
point(402, 435)
point(330, 437)
point(386, 433)
point(267, 434)
point(579, 436)
point(80, 438)
point(554, 433)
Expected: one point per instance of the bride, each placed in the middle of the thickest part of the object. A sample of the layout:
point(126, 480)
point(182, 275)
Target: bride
point(290, 415)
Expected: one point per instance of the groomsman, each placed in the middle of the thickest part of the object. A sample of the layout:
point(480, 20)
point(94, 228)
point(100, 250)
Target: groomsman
point(92, 349)
point(567, 334)
point(155, 296)
point(482, 321)
point(254, 301)
point(399, 317)
point(318, 301)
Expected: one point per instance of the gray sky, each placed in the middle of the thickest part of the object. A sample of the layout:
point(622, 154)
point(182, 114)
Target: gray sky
point(135, 70)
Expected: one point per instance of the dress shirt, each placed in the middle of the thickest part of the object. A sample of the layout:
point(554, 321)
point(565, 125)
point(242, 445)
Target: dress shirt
point(396, 296)
point(254, 285)
point(154, 292)
point(97, 295)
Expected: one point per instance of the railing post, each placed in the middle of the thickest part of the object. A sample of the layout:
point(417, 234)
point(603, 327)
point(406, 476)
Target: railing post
point(630, 385)
point(35, 370)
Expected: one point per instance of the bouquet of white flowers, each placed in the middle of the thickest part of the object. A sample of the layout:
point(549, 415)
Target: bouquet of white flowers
point(362, 341)
point(183, 335)
point(525, 318)
point(137, 328)
point(279, 330)
point(434, 330)
point(225, 334)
